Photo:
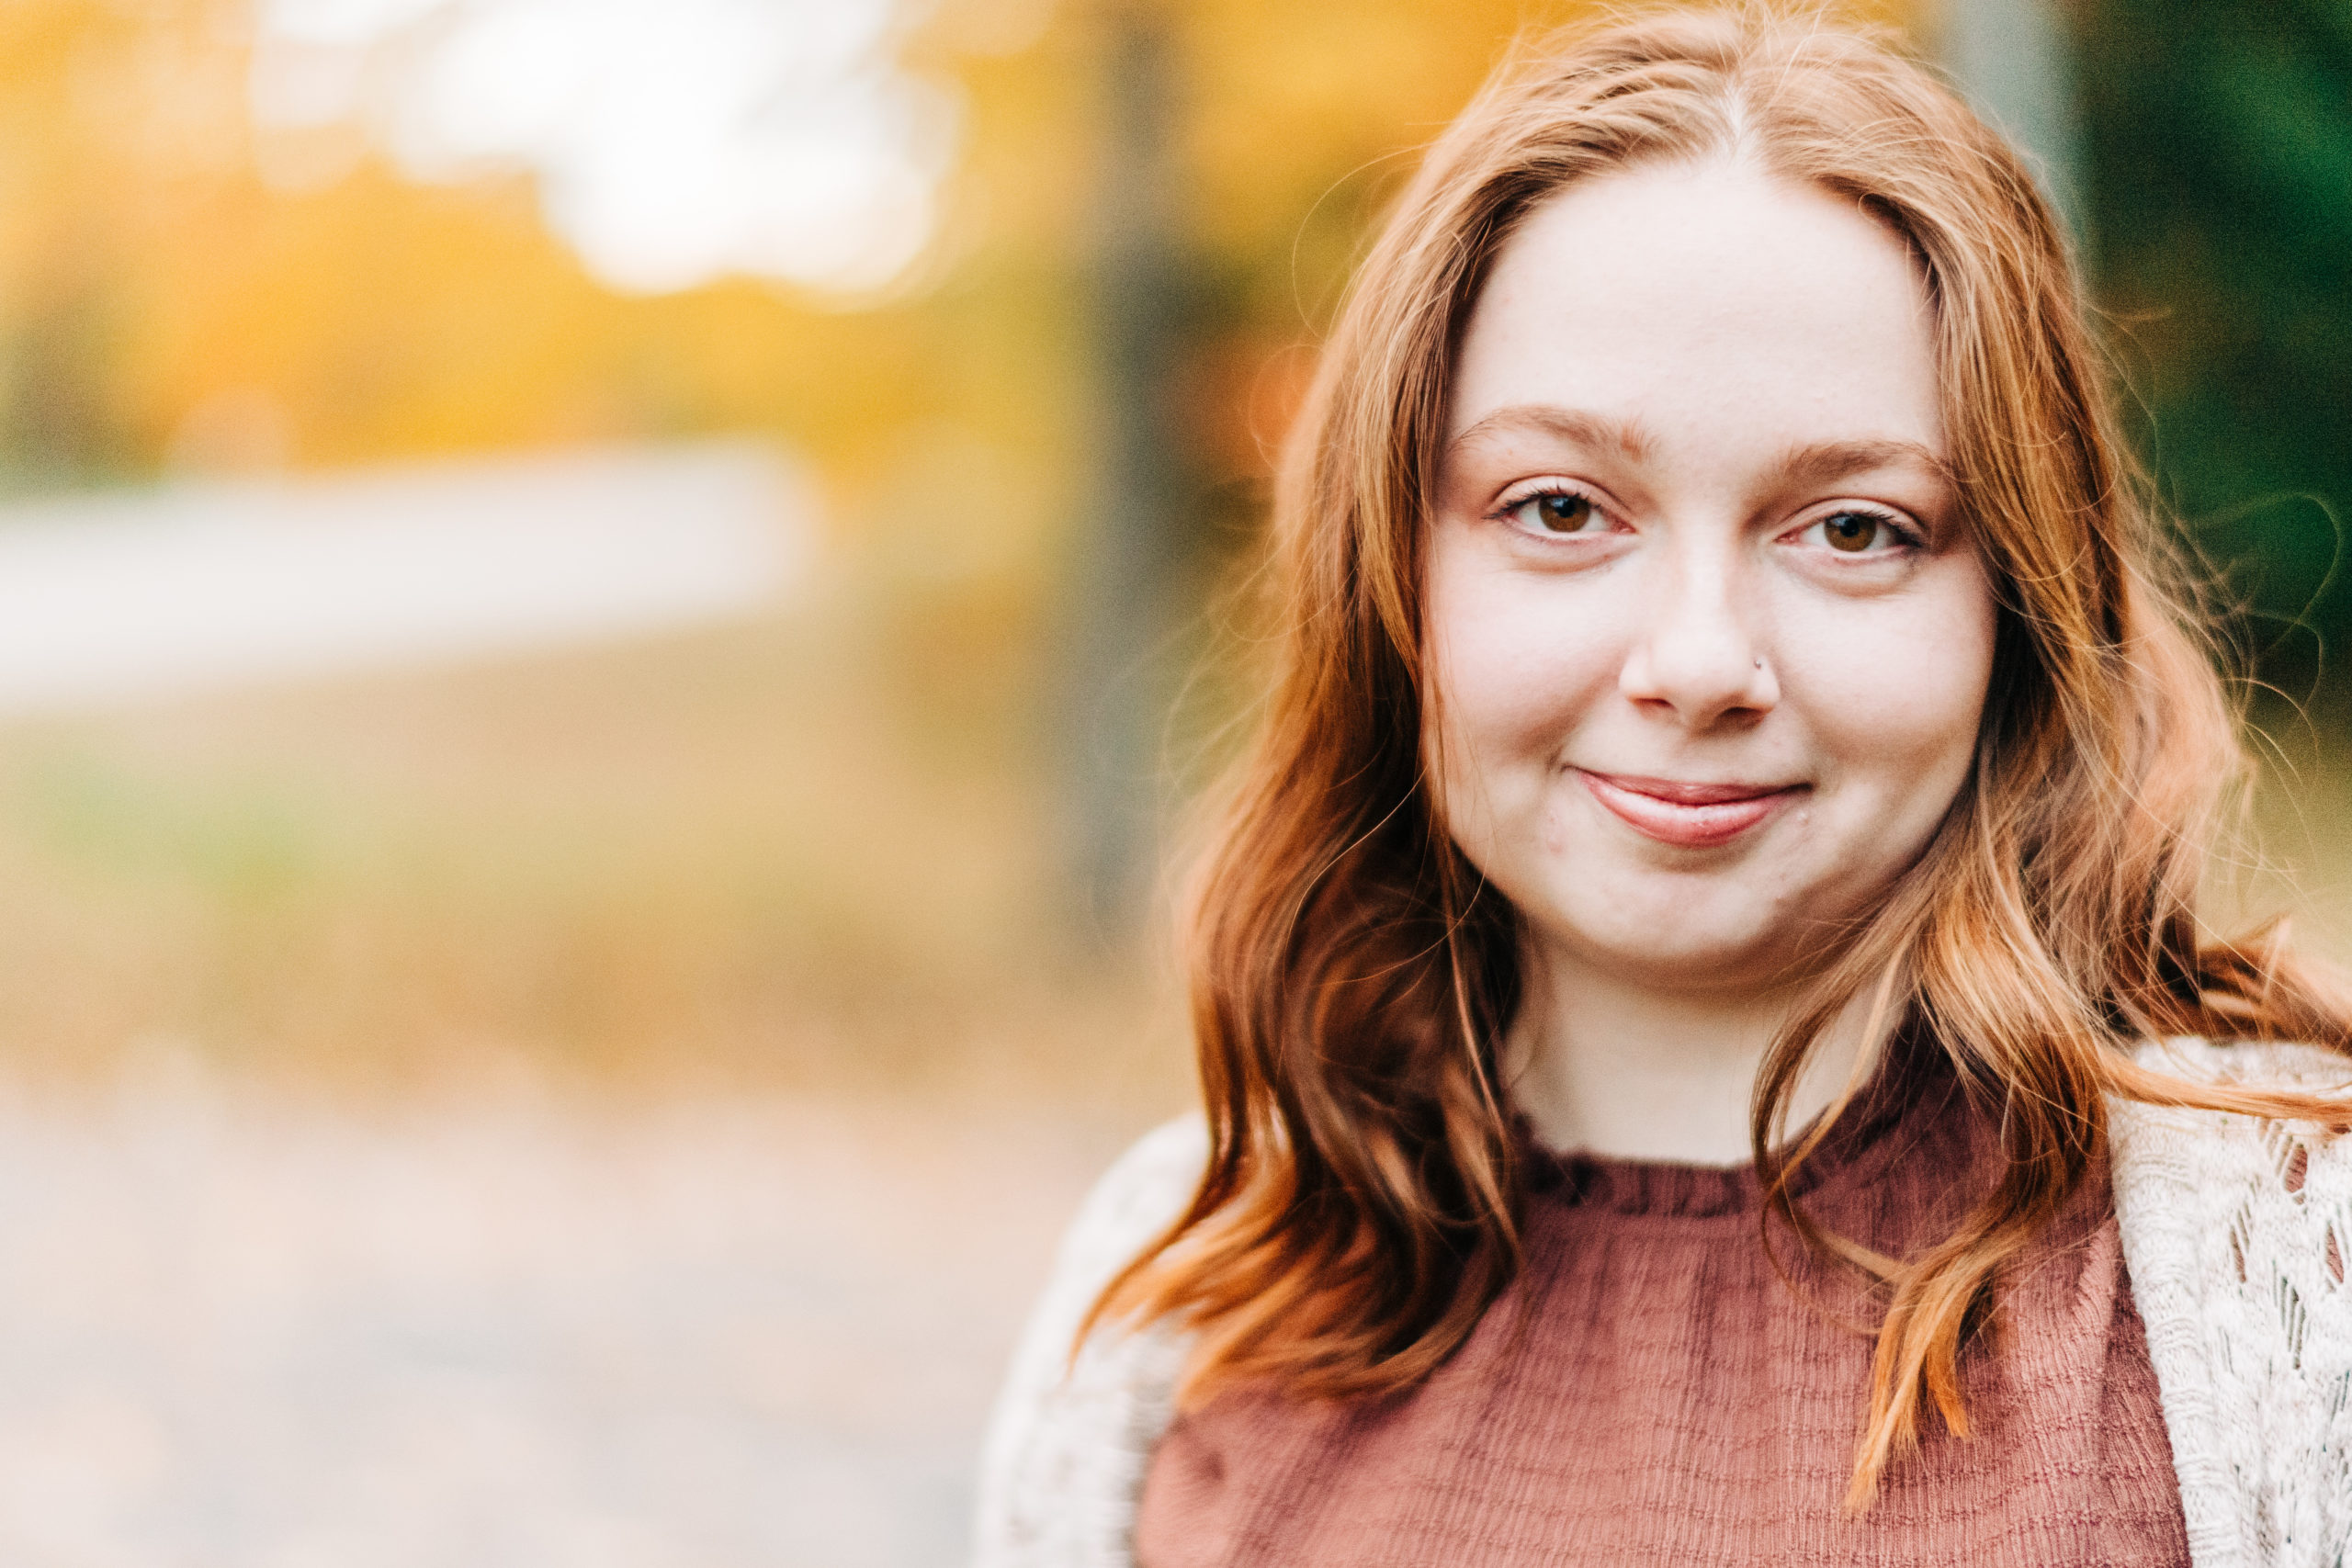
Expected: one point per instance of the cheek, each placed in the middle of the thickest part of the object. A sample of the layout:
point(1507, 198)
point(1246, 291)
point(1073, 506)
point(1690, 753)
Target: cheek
point(1894, 699)
point(1514, 664)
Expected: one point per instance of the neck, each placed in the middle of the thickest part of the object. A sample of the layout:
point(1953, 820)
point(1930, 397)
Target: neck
point(1636, 1071)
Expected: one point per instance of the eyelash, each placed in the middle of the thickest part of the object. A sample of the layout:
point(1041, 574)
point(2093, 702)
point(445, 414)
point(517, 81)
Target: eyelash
point(1903, 531)
point(1512, 503)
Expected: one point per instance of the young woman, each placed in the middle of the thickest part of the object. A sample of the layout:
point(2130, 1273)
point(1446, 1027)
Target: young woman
point(1709, 1048)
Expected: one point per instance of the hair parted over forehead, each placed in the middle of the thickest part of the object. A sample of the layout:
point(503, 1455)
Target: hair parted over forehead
point(1351, 980)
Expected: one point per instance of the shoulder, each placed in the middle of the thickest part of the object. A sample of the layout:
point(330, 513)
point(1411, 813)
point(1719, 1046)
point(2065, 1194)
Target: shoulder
point(2265, 1062)
point(1140, 1195)
point(2237, 1232)
point(1062, 1467)
point(2184, 1160)
point(2173, 1147)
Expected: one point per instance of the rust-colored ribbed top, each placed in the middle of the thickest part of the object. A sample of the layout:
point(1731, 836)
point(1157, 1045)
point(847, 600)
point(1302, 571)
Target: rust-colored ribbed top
point(1651, 1393)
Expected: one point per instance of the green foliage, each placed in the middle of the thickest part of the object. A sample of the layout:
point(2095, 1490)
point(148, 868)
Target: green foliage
point(2221, 147)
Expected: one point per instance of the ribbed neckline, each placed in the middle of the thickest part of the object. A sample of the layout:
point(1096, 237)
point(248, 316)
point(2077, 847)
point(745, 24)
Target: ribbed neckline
point(1909, 1077)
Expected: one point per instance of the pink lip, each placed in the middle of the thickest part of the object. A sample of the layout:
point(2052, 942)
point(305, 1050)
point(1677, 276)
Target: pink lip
point(1693, 815)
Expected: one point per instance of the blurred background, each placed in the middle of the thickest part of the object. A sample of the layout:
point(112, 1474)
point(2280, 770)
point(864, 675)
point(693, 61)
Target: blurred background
point(603, 606)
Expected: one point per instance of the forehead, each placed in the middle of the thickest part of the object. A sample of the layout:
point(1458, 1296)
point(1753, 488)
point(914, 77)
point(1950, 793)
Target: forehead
point(1719, 309)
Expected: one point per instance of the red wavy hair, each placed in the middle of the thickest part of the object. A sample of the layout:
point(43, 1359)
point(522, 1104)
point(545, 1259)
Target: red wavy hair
point(1360, 1210)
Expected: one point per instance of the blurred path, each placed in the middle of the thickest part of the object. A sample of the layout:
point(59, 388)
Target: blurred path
point(235, 1331)
point(132, 594)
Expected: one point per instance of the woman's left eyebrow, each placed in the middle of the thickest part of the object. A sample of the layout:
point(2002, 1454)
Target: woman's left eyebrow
point(1821, 462)
point(1596, 432)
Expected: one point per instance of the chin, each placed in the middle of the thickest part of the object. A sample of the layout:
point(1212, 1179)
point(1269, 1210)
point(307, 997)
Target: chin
point(1678, 948)
point(1695, 969)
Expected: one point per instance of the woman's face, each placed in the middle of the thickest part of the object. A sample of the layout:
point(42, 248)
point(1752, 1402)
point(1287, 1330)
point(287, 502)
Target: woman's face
point(1709, 643)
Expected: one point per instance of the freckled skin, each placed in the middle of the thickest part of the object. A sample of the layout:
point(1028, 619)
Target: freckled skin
point(1726, 380)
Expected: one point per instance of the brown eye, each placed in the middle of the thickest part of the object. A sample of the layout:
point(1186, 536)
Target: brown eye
point(1851, 531)
point(1560, 512)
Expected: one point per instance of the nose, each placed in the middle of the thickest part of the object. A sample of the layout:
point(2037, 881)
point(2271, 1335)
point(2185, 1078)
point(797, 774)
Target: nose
point(1695, 659)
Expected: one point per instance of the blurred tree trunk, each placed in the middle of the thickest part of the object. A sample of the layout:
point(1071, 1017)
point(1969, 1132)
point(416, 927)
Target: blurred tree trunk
point(1132, 540)
point(2015, 60)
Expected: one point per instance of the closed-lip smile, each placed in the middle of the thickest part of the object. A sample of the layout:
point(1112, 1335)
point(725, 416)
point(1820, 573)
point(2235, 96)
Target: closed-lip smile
point(1693, 816)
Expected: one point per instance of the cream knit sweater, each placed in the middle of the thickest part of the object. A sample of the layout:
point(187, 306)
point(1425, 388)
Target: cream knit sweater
point(2237, 1235)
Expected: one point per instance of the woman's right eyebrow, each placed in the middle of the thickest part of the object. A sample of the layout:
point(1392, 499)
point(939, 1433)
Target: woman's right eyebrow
point(1598, 432)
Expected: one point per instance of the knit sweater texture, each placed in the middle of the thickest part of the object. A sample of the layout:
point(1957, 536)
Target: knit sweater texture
point(2233, 1234)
